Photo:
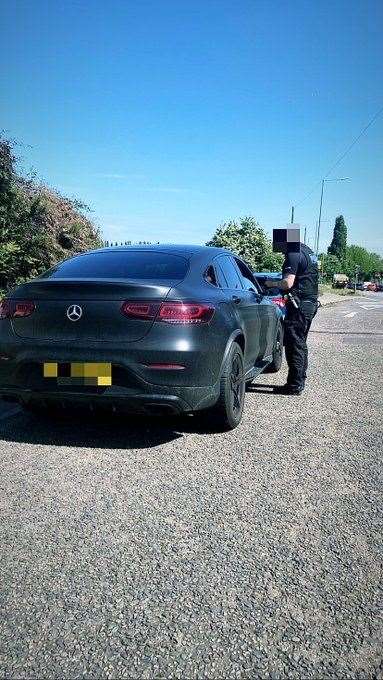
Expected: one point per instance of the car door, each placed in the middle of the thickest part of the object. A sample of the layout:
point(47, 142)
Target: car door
point(265, 313)
point(245, 305)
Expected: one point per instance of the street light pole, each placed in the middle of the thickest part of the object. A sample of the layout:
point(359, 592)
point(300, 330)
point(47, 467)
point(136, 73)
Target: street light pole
point(337, 179)
point(319, 220)
point(356, 276)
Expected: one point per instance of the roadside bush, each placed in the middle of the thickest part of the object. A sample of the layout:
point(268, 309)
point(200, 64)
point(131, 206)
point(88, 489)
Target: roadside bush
point(247, 239)
point(38, 226)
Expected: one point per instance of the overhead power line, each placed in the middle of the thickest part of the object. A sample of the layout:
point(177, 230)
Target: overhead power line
point(341, 157)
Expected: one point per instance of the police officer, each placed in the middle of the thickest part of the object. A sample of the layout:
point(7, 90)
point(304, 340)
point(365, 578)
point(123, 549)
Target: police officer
point(300, 280)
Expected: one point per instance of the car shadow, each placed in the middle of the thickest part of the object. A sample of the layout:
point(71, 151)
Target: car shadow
point(101, 431)
point(260, 388)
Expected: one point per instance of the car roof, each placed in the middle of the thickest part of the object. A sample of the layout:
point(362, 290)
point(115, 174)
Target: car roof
point(174, 248)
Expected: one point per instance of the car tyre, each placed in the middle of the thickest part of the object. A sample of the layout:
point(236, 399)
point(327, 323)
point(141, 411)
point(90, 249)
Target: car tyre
point(276, 362)
point(228, 410)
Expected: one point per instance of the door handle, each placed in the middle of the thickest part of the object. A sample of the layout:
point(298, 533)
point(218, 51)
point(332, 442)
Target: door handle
point(236, 299)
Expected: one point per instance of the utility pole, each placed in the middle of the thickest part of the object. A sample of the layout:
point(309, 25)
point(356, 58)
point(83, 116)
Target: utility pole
point(356, 280)
point(304, 236)
point(337, 179)
point(319, 220)
point(292, 214)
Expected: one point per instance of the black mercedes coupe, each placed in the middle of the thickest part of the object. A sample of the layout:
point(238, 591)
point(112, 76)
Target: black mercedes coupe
point(154, 329)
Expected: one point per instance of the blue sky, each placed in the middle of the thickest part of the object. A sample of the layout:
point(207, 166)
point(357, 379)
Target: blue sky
point(170, 116)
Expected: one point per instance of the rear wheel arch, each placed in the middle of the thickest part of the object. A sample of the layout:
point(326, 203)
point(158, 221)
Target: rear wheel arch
point(277, 357)
point(228, 410)
point(240, 340)
point(238, 337)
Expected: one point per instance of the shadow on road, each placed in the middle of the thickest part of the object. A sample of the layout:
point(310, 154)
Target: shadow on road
point(260, 388)
point(100, 430)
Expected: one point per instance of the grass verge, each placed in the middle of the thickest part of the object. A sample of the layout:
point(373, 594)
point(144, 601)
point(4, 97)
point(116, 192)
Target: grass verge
point(326, 288)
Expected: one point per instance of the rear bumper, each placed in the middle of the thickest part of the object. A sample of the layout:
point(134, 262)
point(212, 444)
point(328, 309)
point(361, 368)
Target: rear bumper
point(136, 386)
point(22, 381)
point(153, 404)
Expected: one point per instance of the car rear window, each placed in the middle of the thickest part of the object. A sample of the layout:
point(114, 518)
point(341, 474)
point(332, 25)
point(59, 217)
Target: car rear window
point(121, 265)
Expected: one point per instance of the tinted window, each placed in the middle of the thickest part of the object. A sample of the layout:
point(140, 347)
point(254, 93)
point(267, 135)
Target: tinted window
point(261, 278)
point(210, 276)
point(121, 264)
point(271, 291)
point(229, 271)
point(221, 281)
point(248, 281)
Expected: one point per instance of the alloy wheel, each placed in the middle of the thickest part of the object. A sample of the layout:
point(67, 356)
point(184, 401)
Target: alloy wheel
point(237, 387)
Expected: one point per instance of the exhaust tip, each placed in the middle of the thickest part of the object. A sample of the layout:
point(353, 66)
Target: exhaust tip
point(160, 409)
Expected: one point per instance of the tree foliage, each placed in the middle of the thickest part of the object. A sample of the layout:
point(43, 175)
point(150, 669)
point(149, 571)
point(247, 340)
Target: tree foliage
point(330, 265)
point(38, 226)
point(338, 244)
point(247, 239)
point(358, 259)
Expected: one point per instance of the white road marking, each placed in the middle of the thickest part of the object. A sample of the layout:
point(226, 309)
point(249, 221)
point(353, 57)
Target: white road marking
point(348, 316)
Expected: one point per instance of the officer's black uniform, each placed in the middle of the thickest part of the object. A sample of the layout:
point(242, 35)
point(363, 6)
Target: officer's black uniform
point(298, 321)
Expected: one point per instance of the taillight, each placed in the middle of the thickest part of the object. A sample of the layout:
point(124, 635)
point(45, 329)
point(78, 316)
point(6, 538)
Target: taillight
point(279, 300)
point(140, 310)
point(16, 309)
point(169, 312)
point(185, 312)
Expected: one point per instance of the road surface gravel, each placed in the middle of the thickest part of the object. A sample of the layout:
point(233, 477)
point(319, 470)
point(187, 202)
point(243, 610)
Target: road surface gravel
point(152, 548)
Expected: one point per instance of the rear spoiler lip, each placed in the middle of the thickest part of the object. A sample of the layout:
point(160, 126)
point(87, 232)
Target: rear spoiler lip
point(117, 289)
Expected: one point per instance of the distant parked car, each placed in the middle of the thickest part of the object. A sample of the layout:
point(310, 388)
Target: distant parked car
point(352, 285)
point(340, 281)
point(372, 286)
point(274, 294)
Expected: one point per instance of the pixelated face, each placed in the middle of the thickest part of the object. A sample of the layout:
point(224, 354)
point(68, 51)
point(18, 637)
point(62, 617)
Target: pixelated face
point(286, 240)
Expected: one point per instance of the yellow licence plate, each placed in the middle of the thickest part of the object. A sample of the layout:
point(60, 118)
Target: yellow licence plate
point(78, 373)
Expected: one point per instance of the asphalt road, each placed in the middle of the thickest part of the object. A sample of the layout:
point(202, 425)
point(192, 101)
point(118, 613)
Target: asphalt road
point(150, 548)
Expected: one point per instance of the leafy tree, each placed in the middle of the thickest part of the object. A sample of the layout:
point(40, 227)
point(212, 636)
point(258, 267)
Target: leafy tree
point(330, 265)
point(247, 239)
point(358, 258)
point(338, 244)
point(38, 226)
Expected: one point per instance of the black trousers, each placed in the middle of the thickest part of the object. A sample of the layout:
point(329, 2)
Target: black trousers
point(297, 326)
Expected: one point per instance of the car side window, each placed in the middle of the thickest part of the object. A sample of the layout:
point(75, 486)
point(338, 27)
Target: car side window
point(230, 272)
point(221, 281)
point(248, 280)
point(261, 283)
point(210, 276)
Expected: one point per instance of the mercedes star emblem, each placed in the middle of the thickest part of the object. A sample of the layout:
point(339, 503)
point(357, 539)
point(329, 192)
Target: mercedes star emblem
point(74, 312)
